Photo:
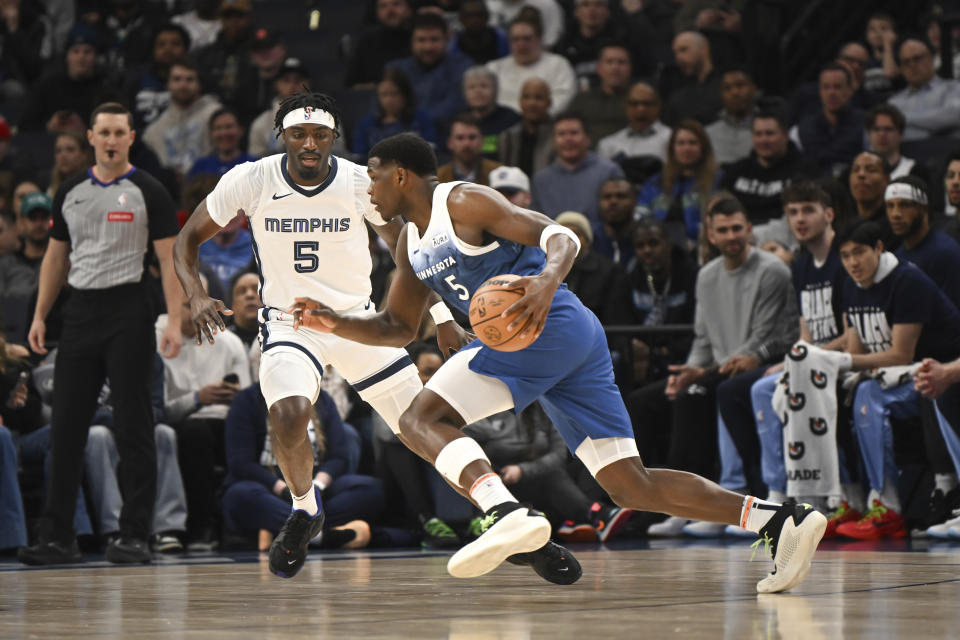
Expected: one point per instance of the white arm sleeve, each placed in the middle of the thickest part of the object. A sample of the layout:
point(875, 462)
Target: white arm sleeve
point(239, 188)
point(360, 183)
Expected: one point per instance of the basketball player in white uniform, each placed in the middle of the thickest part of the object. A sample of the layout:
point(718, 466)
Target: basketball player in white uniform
point(306, 211)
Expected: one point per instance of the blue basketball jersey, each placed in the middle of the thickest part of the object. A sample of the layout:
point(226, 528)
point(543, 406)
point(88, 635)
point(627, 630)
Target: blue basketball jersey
point(454, 269)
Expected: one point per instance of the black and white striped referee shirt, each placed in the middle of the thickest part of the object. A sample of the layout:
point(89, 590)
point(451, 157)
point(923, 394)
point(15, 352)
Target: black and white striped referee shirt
point(109, 225)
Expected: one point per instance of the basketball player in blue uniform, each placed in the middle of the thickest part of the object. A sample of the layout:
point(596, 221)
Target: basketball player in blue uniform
point(307, 212)
point(459, 235)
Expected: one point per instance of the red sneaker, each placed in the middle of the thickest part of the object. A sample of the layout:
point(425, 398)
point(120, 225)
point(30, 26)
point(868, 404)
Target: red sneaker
point(879, 522)
point(571, 531)
point(843, 513)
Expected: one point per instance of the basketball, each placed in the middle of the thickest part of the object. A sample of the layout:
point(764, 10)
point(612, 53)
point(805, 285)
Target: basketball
point(492, 298)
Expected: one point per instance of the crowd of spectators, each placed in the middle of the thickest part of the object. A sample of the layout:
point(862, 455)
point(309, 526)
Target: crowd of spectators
point(720, 221)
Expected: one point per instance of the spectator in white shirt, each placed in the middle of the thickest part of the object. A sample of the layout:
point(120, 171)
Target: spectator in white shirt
point(527, 60)
point(930, 103)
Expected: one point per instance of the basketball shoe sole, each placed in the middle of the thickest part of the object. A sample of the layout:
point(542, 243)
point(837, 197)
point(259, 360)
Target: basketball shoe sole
point(516, 532)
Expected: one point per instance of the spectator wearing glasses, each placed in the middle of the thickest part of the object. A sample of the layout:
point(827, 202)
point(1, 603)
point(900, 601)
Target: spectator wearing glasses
point(930, 104)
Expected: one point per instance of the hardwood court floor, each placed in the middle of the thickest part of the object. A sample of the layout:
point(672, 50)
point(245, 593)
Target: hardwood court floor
point(655, 590)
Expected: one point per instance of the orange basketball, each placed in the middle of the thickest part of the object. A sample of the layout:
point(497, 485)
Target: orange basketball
point(489, 301)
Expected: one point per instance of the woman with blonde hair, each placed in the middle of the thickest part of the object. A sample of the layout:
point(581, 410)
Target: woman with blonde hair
point(679, 194)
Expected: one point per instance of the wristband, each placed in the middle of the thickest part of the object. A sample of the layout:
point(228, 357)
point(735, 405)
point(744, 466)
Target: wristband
point(440, 313)
point(557, 229)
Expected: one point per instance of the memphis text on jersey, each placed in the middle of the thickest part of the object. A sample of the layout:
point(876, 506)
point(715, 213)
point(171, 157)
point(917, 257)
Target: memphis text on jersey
point(306, 225)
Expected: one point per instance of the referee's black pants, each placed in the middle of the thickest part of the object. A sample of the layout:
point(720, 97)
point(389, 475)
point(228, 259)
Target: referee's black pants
point(107, 333)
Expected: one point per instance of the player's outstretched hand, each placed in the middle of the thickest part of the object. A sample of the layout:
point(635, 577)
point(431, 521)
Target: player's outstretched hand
point(533, 307)
point(312, 314)
point(451, 337)
point(205, 315)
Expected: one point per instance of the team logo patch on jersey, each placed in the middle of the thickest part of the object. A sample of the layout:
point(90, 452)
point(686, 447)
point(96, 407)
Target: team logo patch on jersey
point(818, 426)
point(818, 378)
point(797, 449)
point(120, 216)
point(439, 239)
point(797, 401)
point(798, 353)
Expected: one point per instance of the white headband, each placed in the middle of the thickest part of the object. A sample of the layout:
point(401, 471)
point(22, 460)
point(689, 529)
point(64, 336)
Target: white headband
point(308, 115)
point(905, 191)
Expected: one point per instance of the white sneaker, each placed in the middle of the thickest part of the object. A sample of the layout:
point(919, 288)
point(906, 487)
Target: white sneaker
point(734, 531)
point(942, 531)
point(791, 536)
point(672, 527)
point(508, 529)
point(699, 529)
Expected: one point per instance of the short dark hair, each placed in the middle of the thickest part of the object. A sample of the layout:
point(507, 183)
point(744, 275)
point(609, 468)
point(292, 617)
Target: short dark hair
point(651, 223)
point(113, 108)
point(862, 231)
point(724, 203)
point(571, 115)
point(429, 21)
point(235, 279)
point(536, 25)
point(408, 151)
point(187, 63)
point(773, 114)
point(171, 26)
point(884, 163)
point(466, 118)
point(632, 186)
point(421, 347)
point(886, 17)
point(916, 38)
point(223, 111)
point(305, 99)
point(833, 66)
point(889, 110)
point(806, 191)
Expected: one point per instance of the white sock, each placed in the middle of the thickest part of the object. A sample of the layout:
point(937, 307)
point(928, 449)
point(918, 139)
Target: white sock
point(777, 497)
point(889, 496)
point(488, 491)
point(946, 482)
point(307, 502)
point(755, 513)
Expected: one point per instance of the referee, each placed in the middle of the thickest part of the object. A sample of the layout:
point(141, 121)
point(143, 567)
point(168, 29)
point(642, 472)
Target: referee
point(103, 221)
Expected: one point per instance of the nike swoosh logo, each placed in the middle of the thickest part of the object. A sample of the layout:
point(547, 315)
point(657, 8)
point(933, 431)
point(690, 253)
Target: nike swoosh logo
point(563, 569)
point(291, 561)
point(277, 197)
point(79, 201)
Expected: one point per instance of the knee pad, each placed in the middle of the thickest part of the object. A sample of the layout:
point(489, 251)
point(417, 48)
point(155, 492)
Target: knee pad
point(391, 403)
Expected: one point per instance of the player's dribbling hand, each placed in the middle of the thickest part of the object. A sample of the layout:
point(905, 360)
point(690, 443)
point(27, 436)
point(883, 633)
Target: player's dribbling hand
point(315, 315)
point(205, 313)
point(533, 307)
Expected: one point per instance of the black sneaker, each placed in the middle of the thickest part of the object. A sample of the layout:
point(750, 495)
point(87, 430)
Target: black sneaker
point(507, 529)
point(289, 549)
point(128, 551)
point(608, 520)
point(790, 537)
point(50, 552)
point(552, 562)
point(437, 534)
point(939, 509)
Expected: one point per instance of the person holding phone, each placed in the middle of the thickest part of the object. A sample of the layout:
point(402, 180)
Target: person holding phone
point(199, 386)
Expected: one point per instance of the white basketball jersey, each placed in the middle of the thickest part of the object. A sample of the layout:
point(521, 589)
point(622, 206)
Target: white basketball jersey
point(307, 242)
